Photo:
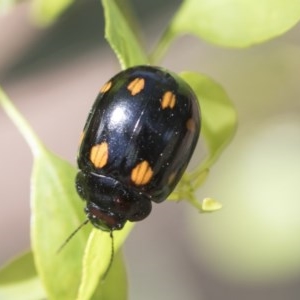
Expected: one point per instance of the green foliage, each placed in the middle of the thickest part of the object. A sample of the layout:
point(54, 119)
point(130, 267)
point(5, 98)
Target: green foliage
point(124, 42)
point(19, 280)
point(218, 115)
point(115, 286)
point(231, 23)
point(94, 266)
point(76, 272)
point(56, 212)
point(219, 121)
point(236, 23)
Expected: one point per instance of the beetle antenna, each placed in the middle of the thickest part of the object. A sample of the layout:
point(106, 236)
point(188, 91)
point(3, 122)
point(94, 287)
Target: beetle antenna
point(71, 236)
point(112, 255)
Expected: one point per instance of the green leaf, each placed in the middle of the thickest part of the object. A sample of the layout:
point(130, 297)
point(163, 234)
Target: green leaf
point(121, 37)
point(46, 12)
point(97, 257)
point(19, 280)
point(210, 205)
point(235, 23)
point(56, 212)
point(219, 117)
point(218, 127)
point(116, 277)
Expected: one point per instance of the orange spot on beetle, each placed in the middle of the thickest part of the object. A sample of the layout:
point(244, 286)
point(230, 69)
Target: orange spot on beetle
point(190, 125)
point(99, 155)
point(81, 137)
point(168, 100)
point(142, 173)
point(172, 177)
point(136, 85)
point(106, 87)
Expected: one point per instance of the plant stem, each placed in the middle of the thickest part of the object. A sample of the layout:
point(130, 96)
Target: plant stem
point(162, 46)
point(25, 129)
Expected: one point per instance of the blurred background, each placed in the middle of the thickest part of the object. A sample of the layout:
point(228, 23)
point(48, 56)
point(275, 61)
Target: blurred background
point(248, 250)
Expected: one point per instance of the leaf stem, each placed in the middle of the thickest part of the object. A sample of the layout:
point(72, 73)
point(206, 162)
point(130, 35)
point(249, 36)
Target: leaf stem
point(23, 126)
point(162, 46)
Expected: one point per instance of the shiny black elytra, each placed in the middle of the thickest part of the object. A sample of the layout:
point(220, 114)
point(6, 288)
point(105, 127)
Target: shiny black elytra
point(136, 144)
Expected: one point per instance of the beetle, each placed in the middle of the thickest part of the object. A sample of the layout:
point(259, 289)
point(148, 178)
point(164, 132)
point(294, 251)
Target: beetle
point(136, 144)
